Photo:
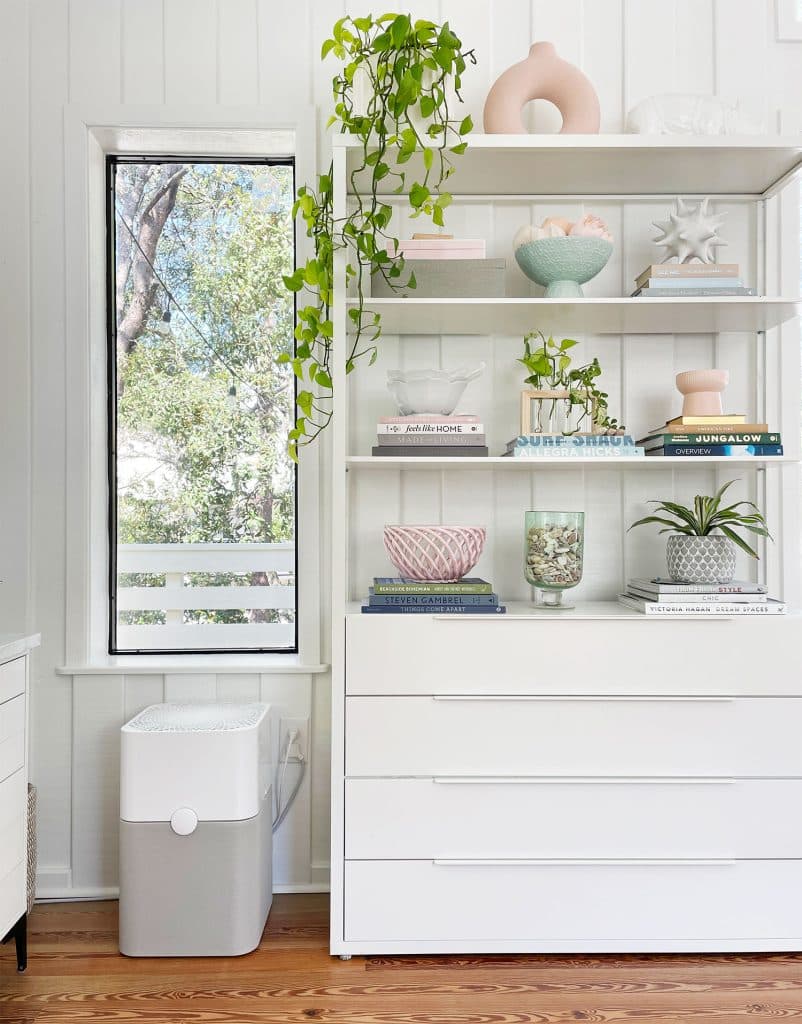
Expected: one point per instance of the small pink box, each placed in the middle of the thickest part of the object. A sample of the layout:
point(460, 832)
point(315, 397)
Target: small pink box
point(447, 249)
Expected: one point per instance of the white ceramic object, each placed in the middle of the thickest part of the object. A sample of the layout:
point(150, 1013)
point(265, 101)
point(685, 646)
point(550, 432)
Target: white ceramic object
point(691, 232)
point(689, 114)
point(701, 391)
point(430, 391)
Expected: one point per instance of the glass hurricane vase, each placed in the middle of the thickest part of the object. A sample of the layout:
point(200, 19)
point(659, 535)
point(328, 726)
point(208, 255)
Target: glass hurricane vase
point(553, 552)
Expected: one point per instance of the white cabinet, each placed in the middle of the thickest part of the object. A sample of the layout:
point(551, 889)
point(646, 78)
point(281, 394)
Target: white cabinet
point(592, 780)
point(14, 674)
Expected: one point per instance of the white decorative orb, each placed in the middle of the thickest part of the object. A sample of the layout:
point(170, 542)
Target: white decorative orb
point(691, 232)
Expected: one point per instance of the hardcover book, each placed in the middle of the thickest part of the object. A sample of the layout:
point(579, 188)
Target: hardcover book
point(434, 609)
point(649, 595)
point(771, 607)
point(686, 270)
point(659, 585)
point(689, 293)
point(432, 440)
point(394, 600)
point(426, 427)
point(695, 282)
point(581, 452)
point(431, 451)
point(570, 441)
point(759, 451)
point(710, 437)
point(711, 422)
point(429, 417)
point(399, 585)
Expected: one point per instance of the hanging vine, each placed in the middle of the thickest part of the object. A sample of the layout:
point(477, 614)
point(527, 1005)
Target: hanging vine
point(408, 72)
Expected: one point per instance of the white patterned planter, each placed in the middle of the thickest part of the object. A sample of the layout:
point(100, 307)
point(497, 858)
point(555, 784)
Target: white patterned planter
point(700, 559)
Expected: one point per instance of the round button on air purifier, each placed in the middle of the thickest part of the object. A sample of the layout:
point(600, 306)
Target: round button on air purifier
point(184, 821)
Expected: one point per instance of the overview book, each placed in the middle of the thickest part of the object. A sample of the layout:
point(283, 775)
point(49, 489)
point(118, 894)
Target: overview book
point(662, 608)
point(399, 585)
point(758, 451)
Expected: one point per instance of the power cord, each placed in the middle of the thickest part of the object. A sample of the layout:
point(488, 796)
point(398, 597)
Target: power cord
point(299, 759)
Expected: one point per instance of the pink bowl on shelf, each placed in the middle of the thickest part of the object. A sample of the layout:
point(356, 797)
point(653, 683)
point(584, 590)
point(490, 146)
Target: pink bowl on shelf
point(435, 554)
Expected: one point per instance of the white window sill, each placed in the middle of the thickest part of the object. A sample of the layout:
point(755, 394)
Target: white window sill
point(194, 664)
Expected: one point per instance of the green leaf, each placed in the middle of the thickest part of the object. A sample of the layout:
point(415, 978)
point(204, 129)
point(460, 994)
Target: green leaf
point(466, 125)
point(295, 281)
point(418, 195)
point(399, 30)
point(304, 401)
point(426, 106)
point(428, 158)
point(459, 148)
point(412, 282)
point(323, 379)
point(326, 48)
point(733, 536)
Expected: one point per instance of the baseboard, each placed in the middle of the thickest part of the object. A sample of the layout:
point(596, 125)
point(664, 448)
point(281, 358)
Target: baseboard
point(53, 893)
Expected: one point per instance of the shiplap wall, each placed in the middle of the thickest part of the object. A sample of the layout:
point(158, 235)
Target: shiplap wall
point(54, 52)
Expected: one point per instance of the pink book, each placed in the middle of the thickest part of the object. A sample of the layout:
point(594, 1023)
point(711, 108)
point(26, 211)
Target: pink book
point(428, 418)
point(436, 249)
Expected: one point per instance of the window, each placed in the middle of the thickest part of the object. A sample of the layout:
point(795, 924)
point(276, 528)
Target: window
point(202, 495)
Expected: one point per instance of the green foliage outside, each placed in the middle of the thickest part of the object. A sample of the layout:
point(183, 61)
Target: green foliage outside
point(203, 407)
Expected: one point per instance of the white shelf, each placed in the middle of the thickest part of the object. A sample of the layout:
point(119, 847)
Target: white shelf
point(583, 610)
point(575, 165)
point(437, 465)
point(597, 315)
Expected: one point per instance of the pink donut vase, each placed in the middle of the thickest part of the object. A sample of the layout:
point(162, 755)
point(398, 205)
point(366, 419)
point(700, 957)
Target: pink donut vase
point(542, 76)
point(434, 554)
point(701, 390)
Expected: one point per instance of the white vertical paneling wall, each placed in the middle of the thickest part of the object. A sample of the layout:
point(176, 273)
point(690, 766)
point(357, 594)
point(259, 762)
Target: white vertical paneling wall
point(245, 52)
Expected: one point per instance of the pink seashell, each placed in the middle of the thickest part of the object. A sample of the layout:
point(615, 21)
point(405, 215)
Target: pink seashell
point(591, 226)
point(442, 554)
point(561, 222)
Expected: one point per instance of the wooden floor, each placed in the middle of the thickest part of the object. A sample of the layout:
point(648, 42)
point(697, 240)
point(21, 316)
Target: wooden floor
point(75, 974)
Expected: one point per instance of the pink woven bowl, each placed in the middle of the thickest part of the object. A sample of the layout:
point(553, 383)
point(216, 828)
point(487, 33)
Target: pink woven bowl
point(436, 554)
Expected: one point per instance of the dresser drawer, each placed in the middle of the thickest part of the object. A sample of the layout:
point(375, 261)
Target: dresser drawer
point(12, 736)
point(12, 897)
point(424, 654)
point(13, 816)
point(12, 679)
point(572, 818)
point(595, 736)
point(472, 903)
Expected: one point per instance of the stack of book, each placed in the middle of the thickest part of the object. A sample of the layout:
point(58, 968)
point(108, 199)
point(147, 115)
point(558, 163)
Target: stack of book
point(573, 446)
point(673, 280)
point(398, 596)
point(430, 436)
point(665, 597)
point(727, 435)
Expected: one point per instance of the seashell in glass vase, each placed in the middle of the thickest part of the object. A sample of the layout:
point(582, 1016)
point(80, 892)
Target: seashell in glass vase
point(434, 554)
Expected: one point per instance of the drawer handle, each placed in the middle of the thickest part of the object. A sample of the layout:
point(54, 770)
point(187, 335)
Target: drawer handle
point(634, 698)
point(571, 780)
point(629, 862)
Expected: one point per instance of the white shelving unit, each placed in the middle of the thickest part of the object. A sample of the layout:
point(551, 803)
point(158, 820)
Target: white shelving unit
point(556, 718)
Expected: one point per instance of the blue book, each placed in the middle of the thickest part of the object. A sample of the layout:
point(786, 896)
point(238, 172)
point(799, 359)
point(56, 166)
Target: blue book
point(433, 609)
point(758, 450)
point(395, 600)
point(571, 441)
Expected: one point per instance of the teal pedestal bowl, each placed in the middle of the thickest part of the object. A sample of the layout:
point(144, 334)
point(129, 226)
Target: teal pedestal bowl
point(563, 265)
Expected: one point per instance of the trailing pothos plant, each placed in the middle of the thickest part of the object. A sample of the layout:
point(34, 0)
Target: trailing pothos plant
point(408, 71)
point(550, 369)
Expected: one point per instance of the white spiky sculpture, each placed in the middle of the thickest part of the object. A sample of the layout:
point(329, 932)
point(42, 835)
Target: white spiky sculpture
point(691, 232)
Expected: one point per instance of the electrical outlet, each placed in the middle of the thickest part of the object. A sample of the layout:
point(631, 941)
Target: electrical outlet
point(300, 748)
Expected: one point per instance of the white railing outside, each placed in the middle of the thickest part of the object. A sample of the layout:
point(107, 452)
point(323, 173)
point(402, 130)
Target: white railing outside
point(175, 562)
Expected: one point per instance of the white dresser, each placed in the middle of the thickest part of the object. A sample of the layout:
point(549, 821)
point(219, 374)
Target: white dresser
point(549, 785)
point(14, 675)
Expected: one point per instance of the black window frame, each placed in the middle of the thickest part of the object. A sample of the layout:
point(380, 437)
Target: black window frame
point(112, 161)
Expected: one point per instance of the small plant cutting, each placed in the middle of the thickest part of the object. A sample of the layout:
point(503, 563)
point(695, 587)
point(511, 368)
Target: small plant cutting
point(702, 542)
point(409, 71)
point(563, 399)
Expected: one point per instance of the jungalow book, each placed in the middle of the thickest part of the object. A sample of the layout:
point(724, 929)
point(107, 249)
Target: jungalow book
point(654, 440)
point(397, 585)
point(771, 607)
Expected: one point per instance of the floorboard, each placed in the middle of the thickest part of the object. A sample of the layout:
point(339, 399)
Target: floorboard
point(76, 976)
